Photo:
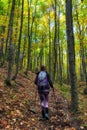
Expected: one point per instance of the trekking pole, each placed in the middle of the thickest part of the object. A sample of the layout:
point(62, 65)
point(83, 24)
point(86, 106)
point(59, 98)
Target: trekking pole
point(54, 96)
point(35, 96)
point(35, 99)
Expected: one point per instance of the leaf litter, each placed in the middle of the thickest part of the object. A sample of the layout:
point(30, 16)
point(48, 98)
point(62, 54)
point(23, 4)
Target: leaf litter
point(17, 101)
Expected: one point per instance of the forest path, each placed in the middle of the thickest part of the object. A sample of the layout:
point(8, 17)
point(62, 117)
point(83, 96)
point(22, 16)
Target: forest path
point(17, 101)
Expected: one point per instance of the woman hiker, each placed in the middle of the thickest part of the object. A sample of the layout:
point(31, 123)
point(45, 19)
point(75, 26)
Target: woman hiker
point(44, 83)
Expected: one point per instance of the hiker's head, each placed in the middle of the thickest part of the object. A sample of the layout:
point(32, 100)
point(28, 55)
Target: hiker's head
point(42, 67)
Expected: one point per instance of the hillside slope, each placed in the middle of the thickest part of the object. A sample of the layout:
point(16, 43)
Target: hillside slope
point(20, 107)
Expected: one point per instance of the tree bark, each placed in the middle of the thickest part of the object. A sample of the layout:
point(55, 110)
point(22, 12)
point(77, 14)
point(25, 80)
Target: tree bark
point(29, 62)
point(1, 51)
point(7, 38)
point(71, 51)
point(55, 43)
point(59, 49)
point(50, 62)
point(10, 57)
point(19, 42)
point(82, 55)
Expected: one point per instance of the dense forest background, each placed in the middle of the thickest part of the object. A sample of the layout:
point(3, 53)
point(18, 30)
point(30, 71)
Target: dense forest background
point(53, 33)
point(35, 33)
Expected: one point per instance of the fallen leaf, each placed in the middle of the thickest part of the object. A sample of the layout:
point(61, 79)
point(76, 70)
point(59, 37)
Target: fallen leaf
point(33, 119)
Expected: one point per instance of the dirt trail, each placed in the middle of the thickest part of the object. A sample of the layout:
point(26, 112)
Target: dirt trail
point(17, 101)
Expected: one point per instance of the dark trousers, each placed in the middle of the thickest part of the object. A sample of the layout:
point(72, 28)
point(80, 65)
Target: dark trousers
point(44, 98)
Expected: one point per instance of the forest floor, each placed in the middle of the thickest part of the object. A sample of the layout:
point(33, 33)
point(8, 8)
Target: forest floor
point(20, 107)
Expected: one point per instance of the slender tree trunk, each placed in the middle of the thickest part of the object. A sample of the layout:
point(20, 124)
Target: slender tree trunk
point(7, 38)
point(16, 33)
point(71, 50)
point(24, 46)
point(50, 69)
point(85, 69)
point(29, 63)
point(2, 31)
point(81, 46)
point(41, 52)
point(68, 73)
point(60, 66)
point(55, 43)
point(35, 38)
point(29, 39)
point(10, 57)
point(86, 64)
point(59, 49)
point(1, 52)
point(82, 56)
point(19, 41)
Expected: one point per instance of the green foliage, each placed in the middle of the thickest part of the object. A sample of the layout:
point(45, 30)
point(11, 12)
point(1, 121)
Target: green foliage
point(40, 28)
point(1, 7)
point(64, 89)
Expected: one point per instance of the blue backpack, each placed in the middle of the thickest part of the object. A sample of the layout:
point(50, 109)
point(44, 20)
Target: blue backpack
point(42, 79)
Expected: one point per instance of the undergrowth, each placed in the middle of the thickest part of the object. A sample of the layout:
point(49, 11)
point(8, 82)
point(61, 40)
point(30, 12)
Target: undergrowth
point(64, 89)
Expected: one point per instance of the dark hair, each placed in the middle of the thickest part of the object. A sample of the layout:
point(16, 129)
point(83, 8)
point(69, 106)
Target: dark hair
point(42, 67)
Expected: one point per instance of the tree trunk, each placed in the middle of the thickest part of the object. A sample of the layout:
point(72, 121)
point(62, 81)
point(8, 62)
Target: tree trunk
point(10, 57)
point(29, 63)
point(19, 42)
point(60, 66)
point(68, 73)
point(82, 56)
point(71, 51)
point(24, 46)
point(2, 31)
point(29, 39)
point(42, 52)
point(59, 49)
point(7, 38)
point(55, 43)
point(81, 46)
point(50, 65)
point(1, 51)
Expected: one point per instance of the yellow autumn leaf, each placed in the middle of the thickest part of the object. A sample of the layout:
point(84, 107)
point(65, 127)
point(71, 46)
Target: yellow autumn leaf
point(52, 14)
point(3, 35)
point(62, 18)
point(33, 119)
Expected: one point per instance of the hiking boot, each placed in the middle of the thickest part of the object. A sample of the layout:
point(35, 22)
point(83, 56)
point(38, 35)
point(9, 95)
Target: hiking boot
point(46, 114)
point(43, 116)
